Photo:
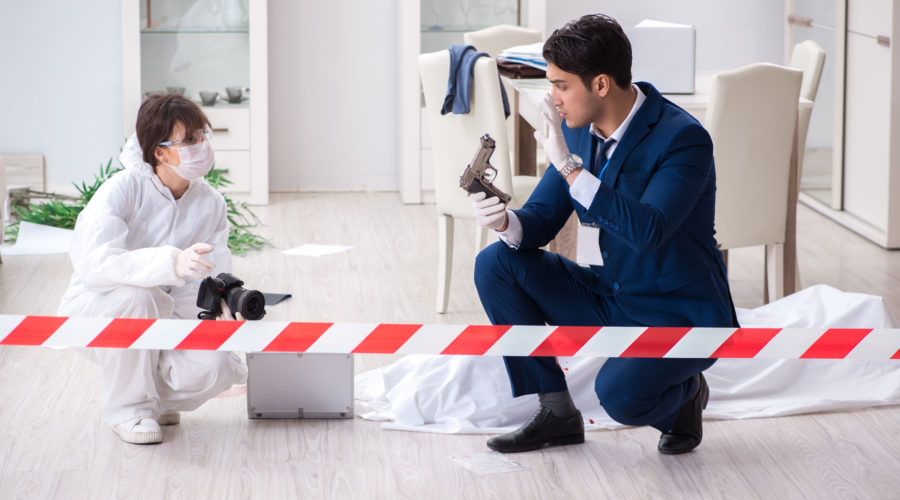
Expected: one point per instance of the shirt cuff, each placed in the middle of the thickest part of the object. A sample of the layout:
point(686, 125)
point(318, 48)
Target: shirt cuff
point(513, 234)
point(585, 188)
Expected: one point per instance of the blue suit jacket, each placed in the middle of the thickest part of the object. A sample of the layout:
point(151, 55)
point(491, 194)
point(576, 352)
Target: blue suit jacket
point(655, 209)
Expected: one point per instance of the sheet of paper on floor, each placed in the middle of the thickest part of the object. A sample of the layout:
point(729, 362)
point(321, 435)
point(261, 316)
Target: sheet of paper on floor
point(316, 250)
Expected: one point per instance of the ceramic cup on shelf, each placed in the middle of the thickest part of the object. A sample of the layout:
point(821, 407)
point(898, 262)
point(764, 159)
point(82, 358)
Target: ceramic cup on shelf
point(175, 90)
point(208, 97)
point(234, 94)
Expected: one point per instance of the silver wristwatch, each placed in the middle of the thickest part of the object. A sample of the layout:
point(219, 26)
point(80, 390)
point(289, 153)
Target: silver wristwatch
point(572, 162)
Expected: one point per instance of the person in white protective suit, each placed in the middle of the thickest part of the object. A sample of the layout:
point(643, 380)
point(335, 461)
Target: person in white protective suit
point(141, 246)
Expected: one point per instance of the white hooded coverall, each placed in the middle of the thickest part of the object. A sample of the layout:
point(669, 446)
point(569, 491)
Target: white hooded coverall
point(123, 253)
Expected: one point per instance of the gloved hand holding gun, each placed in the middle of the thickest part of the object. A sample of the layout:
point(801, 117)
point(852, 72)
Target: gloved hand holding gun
point(488, 202)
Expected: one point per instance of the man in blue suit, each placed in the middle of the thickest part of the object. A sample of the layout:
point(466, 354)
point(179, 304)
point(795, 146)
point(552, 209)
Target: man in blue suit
point(638, 172)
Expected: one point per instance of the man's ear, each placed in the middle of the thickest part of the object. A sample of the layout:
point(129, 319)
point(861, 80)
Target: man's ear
point(600, 85)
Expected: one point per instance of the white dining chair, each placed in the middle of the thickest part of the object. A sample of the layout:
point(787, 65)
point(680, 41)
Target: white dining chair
point(455, 138)
point(493, 40)
point(751, 117)
point(808, 57)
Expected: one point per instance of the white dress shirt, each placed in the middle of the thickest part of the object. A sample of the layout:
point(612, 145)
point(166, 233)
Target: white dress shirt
point(586, 184)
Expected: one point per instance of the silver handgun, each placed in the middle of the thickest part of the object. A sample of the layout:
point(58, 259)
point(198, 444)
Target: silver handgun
point(475, 178)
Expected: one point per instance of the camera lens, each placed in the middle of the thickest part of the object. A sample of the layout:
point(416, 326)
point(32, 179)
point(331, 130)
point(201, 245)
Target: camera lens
point(250, 303)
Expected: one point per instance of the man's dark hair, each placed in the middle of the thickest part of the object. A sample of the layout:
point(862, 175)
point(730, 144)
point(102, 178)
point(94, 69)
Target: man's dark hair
point(591, 45)
point(157, 117)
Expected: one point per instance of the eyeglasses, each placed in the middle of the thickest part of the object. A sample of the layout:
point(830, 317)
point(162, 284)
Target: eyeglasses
point(200, 136)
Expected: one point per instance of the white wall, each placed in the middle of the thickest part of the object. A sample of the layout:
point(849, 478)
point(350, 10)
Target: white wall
point(61, 85)
point(729, 33)
point(332, 95)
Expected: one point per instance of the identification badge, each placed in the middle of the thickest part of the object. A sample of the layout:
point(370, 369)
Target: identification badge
point(587, 249)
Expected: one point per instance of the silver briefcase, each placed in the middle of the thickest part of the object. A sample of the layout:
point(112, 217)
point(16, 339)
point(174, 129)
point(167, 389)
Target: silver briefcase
point(296, 385)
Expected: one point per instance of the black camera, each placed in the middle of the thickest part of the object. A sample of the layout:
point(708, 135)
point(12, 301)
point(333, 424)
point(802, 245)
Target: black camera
point(250, 303)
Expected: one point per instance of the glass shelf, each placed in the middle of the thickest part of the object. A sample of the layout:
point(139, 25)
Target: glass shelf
point(452, 29)
point(193, 31)
point(200, 45)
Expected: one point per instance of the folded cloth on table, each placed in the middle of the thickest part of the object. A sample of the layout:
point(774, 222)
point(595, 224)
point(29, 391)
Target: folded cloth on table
point(517, 70)
point(471, 394)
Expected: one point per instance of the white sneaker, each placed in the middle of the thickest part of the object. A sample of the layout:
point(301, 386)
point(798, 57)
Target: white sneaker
point(169, 418)
point(142, 430)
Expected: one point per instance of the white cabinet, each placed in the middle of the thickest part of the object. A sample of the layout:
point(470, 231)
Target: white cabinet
point(208, 46)
point(872, 120)
point(867, 131)
point(866, 180)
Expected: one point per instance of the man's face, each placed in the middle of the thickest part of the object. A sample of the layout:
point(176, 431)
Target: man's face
point(579, 105)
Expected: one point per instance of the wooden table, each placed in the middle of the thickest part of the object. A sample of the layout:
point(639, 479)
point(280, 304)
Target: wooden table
point(525, 100)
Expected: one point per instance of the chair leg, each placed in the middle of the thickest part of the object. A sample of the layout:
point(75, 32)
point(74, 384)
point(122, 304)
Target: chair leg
point(775, 271)
point(481, 236)
point(445, 261)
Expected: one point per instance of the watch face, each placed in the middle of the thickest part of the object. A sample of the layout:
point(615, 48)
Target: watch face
point(576, 159)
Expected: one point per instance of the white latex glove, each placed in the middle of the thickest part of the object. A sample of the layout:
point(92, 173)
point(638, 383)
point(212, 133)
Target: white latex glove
point(190, 261)
point(227, 315)
point(489, 213)
point(554, 143)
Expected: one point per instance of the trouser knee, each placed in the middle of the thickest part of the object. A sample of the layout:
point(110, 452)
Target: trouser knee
point(139, 302)
point(619, 404)
point(489, 264)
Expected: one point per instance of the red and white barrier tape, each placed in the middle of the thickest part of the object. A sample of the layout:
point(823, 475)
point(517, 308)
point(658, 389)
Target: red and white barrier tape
point(481, 340)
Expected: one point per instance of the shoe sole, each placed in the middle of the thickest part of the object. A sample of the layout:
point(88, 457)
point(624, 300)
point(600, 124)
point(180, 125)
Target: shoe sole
point(560, 441)
point(140, 437)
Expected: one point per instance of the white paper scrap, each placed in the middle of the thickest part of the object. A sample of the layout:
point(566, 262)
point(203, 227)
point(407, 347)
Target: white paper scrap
point(486, 463)
point(37, 239)
point(315, 250)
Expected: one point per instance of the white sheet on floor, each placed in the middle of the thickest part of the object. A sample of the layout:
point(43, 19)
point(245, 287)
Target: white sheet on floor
point(38, 239)
point(471, 394)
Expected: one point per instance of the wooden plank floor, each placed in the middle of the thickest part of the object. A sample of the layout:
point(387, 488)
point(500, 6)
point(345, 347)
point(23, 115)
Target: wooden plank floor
point(53, 445)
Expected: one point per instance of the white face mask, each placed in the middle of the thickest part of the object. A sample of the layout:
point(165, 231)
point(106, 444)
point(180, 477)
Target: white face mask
point(196, 161)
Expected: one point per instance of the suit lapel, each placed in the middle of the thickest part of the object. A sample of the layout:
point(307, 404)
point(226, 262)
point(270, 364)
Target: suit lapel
point(640, 126)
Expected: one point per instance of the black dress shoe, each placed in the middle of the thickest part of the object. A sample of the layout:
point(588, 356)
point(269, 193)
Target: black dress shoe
point(543, 429)
point(687, 432)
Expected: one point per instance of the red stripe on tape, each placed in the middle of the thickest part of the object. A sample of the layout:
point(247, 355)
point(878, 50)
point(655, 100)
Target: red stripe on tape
point(745, 342)
point(386, 338)
point(896, 355)
point(565, 341)
point(655, 342)
point(121, 332)
point(297, 337)
point(209, 335)
point(836, 343)
point(33, 330)
point(476, 339)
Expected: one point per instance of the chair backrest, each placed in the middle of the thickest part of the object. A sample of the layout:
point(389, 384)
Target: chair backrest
point(808, 57)
point(502, 36)
point(455, 138)
point(751, 118)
